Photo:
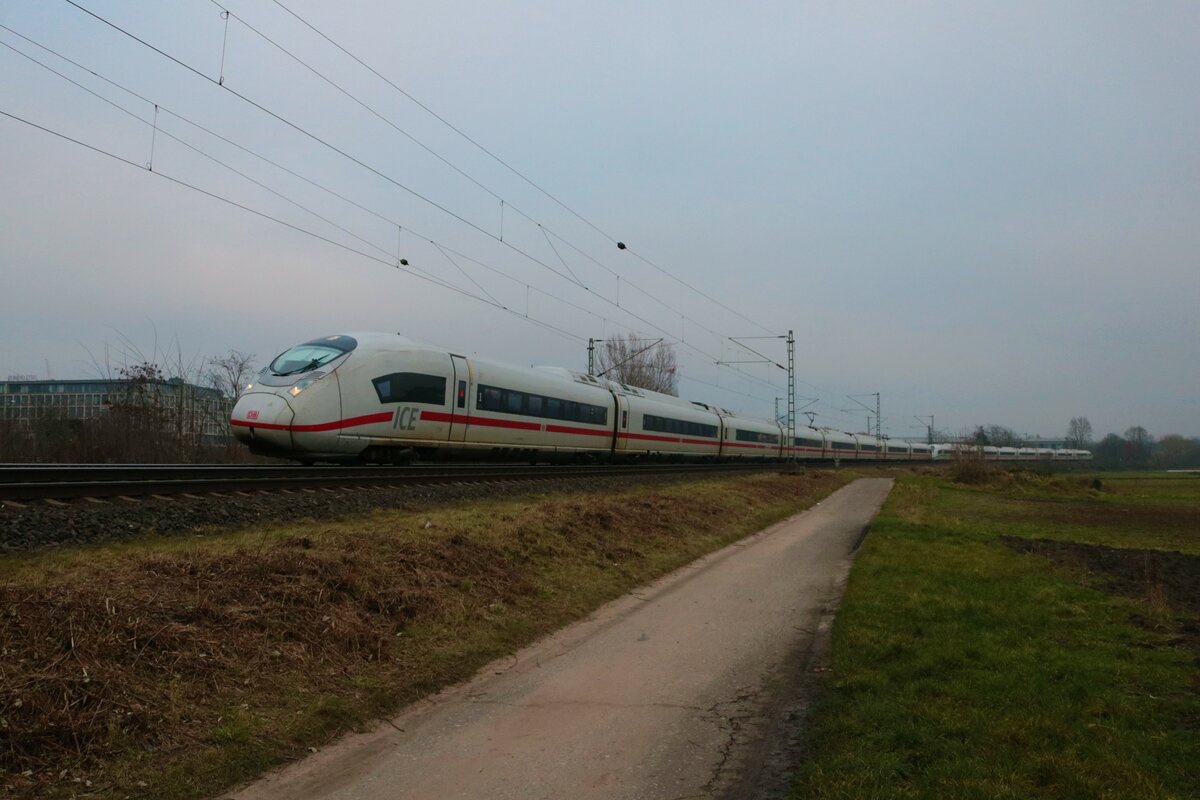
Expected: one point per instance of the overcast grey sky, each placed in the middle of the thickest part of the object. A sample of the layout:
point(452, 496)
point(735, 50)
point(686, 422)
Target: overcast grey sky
point(987, 212)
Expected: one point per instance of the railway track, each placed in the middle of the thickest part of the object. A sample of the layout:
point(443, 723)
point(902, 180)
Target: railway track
point(29, 482)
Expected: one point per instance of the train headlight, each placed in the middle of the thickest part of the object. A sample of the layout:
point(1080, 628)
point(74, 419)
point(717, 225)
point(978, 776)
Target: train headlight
point(304, 383)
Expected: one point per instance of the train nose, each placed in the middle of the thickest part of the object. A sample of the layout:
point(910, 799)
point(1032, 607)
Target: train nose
point(263, 420)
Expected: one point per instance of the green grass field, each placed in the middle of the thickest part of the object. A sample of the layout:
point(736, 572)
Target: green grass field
point(971, 659)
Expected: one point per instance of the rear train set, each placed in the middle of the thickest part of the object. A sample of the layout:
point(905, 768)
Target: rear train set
point(382, 398)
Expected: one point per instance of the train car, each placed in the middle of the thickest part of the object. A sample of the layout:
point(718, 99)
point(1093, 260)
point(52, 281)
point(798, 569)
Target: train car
point(808, 445)
point(869, 447)
point(535, 412)
point(840, 446)
point(379, 397)
point(748, 437)
point(922, 452)
point(655, 424)
point(897, 450)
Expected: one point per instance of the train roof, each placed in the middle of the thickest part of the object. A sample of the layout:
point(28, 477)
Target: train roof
point(379, 340)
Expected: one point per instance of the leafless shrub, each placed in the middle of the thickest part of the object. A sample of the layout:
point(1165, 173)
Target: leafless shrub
point(968, 466)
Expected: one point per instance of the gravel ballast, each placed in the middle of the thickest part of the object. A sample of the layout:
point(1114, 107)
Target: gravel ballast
point(30, 526)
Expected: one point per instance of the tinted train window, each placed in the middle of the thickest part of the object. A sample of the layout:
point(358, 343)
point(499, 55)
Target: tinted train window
point(842, 445)
point(650, 422)
point(511, 401)
point(755, 436)
point(808, 443)
point(411, 387)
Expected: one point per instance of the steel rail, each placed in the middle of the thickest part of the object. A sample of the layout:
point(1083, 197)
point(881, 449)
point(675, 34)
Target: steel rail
point(70, 473)
point(171, 481)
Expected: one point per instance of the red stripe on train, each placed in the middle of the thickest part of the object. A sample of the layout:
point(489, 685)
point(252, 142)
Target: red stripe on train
point(352, 422)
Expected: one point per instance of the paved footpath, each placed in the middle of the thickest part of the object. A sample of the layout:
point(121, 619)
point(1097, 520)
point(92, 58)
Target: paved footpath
point(673, 691)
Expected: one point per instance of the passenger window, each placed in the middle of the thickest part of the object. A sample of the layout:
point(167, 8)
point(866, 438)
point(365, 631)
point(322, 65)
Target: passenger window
point(411, 387)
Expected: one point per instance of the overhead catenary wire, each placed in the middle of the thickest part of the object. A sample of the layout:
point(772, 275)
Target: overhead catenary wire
point(400, 185)
point(202, 153)
point(751, 377)
point(285, 223)
point(185, 184)
point(504, 204)
point(342, 197)
point(319, 140)
point(612, 239)
point(441, 247)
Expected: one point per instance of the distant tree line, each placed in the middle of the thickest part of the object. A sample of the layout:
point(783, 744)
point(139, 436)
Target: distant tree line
point(1136, 449)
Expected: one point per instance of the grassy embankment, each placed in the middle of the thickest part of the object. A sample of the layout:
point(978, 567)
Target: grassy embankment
point(973, 659)
point(173, 668)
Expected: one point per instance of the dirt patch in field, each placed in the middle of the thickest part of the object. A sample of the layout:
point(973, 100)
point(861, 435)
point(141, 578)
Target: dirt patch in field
point(1094, 514)
point(1162, 578)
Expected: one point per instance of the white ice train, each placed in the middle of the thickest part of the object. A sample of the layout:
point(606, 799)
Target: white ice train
point(382, 398)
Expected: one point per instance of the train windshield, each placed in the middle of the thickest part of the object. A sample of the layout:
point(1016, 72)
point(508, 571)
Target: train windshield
point(310, 355)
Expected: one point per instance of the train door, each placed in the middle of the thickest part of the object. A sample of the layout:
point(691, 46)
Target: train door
point(620, 440)
point(460, 403)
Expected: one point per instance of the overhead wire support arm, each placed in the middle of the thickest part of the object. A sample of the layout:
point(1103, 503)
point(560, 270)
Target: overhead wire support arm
point(875, 411)
point(790, 369)
point(929, 425)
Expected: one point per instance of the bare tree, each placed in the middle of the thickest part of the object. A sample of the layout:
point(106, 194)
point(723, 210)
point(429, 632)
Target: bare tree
point(1000, 436)
point(1138, 444)
point(640, 362)
point(230, 373)
point(1079, 433)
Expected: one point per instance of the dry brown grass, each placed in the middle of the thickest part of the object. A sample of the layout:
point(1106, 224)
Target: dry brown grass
point(173, 669)
point(968, 467)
